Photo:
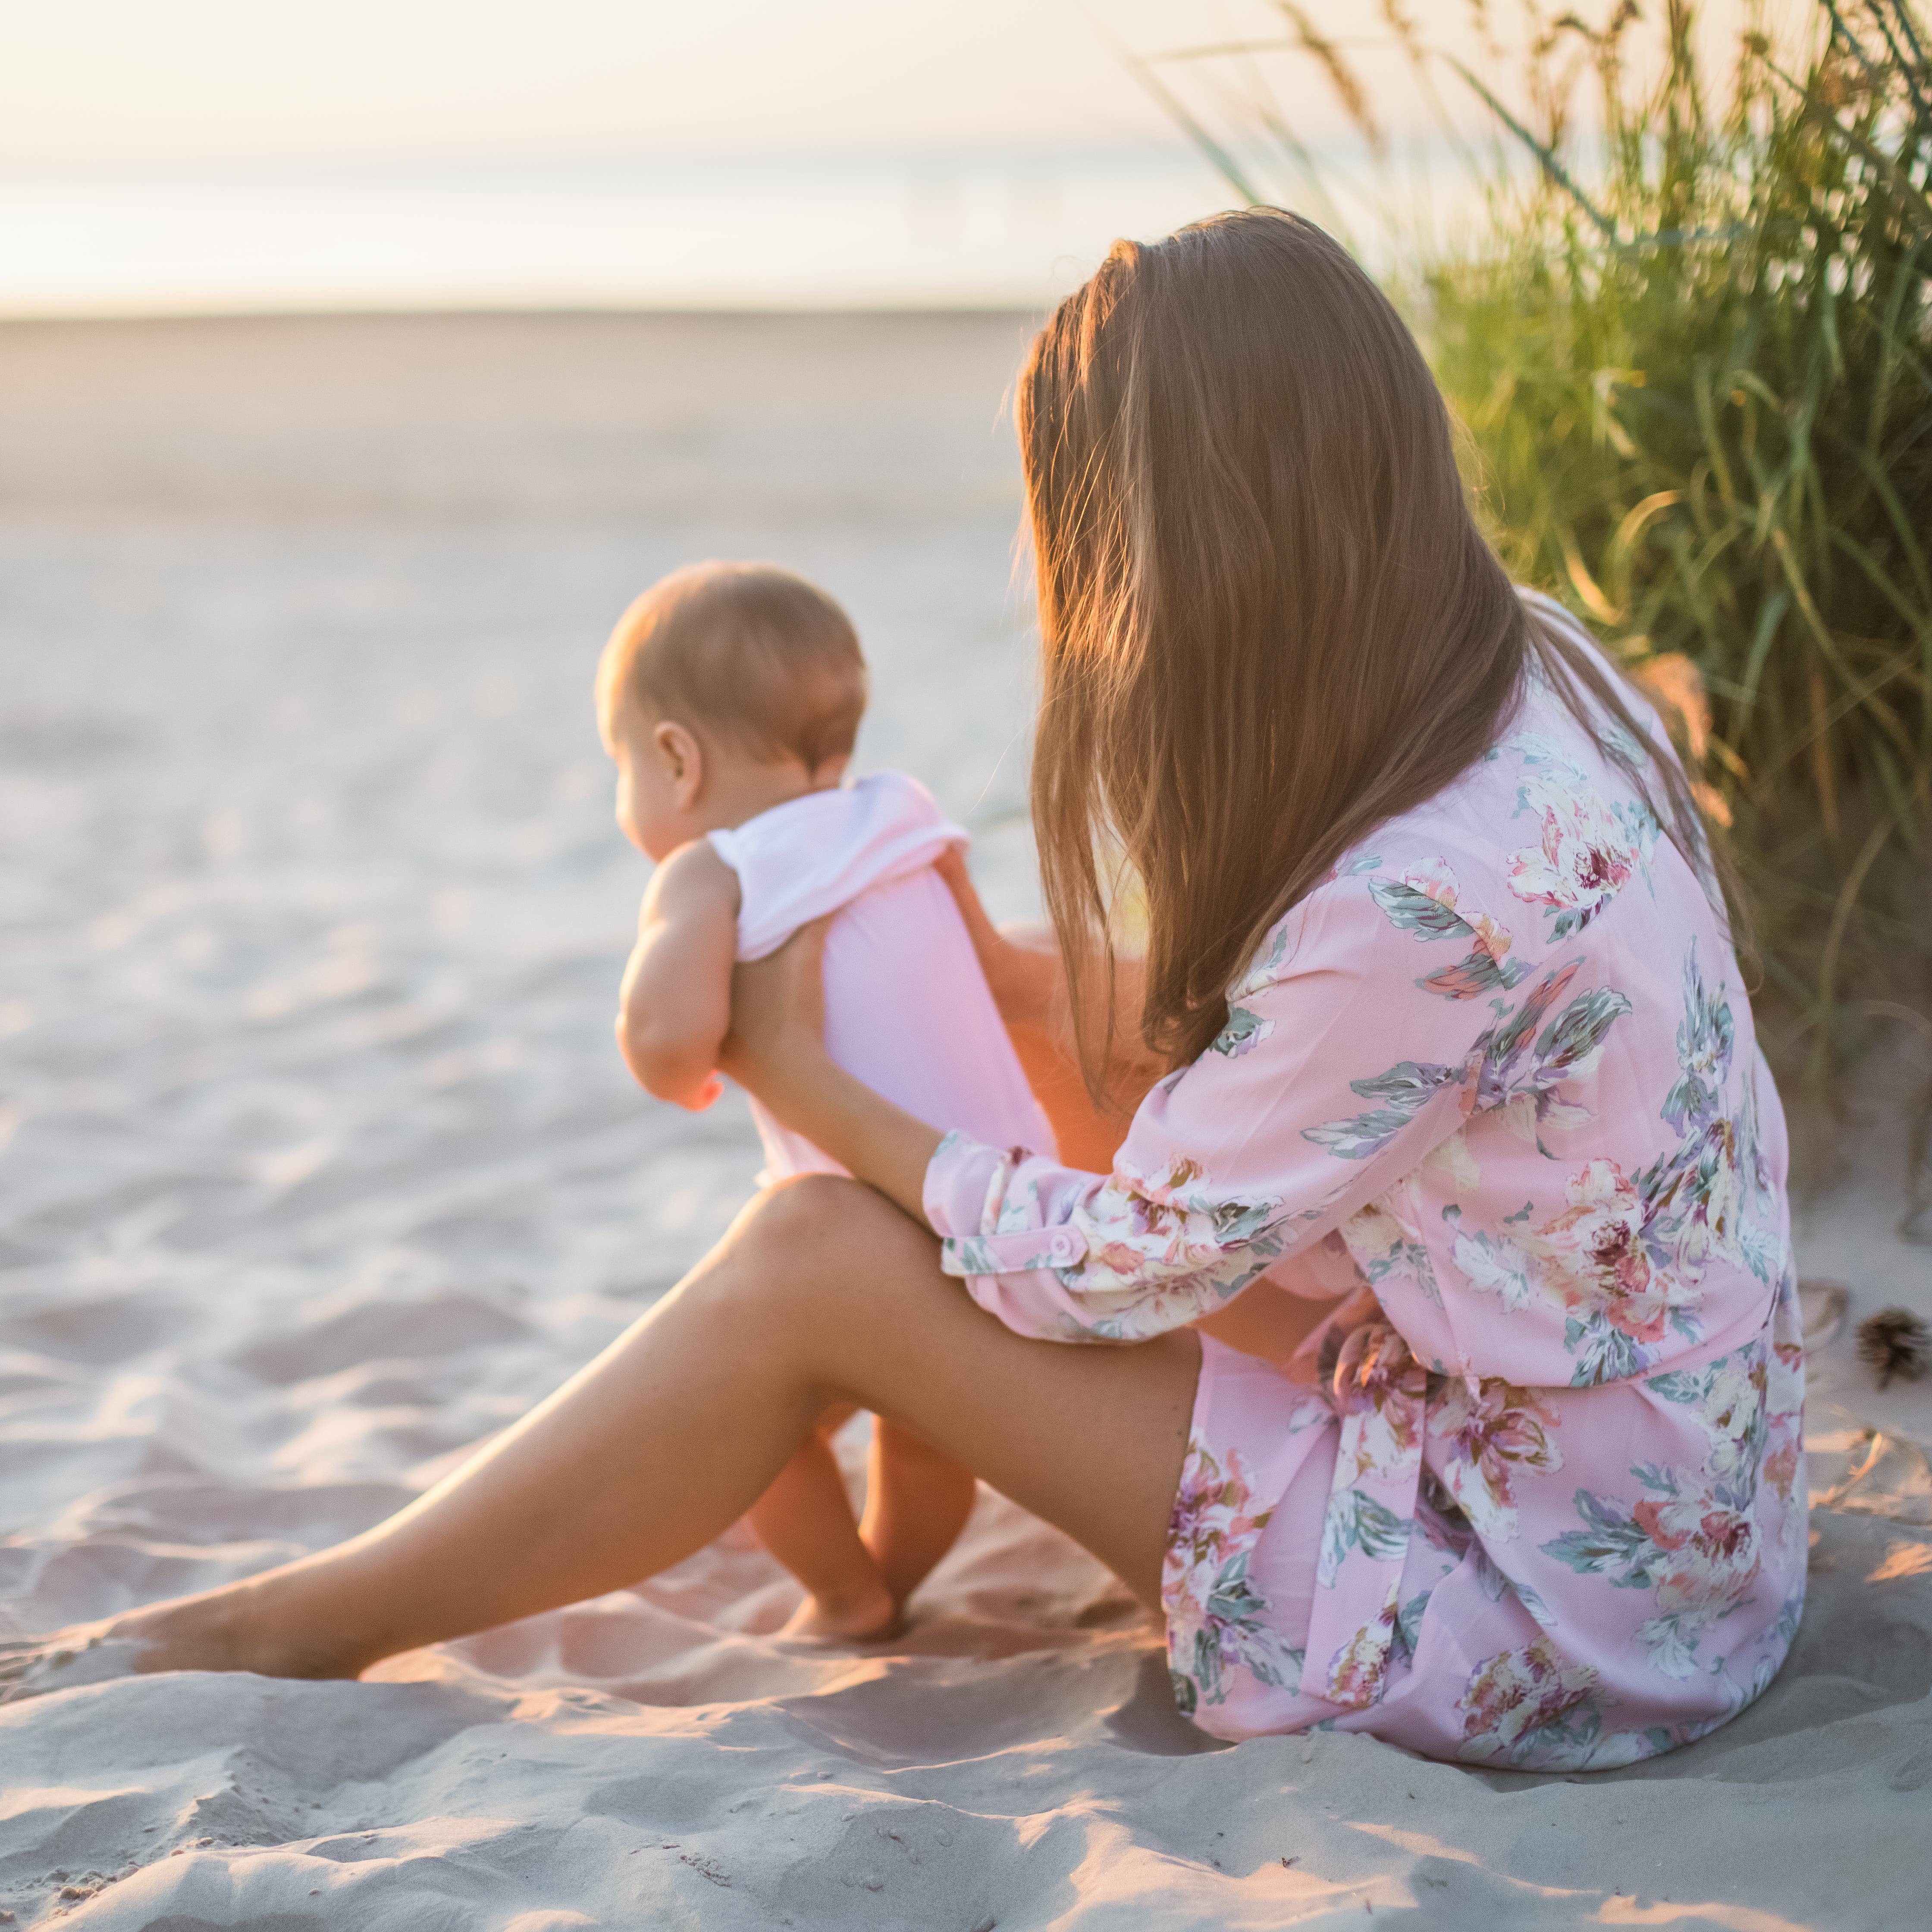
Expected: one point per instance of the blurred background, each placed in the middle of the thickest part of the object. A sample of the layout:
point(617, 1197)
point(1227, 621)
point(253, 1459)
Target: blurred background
point(359, 363)
point(217, 156)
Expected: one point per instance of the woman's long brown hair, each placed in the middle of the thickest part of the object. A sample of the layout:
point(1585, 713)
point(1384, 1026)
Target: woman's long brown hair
point(1268, 622)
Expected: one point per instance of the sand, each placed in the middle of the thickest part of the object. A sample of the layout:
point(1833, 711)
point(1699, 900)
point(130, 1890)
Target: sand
point(318, 1166)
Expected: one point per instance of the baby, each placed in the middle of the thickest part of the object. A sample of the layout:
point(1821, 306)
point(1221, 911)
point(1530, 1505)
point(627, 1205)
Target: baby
point(730, 695)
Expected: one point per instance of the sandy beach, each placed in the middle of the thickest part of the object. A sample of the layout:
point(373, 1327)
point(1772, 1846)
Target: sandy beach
point(317, 1165)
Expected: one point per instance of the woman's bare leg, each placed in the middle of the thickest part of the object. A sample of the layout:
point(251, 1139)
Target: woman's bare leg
point(821, 1292)
point(917, 1500)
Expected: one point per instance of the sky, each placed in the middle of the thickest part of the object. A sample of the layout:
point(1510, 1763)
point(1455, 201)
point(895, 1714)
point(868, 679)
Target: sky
point(107, 82)
point(144, 84)
point(221, 156)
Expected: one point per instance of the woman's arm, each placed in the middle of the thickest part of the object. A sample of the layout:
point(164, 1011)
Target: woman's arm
point(1023, 970)
point(1339, 1069)
point(1026, 976)
point(674, 1005)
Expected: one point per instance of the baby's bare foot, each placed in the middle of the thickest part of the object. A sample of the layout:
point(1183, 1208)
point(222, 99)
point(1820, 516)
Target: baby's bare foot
point(865, 1614)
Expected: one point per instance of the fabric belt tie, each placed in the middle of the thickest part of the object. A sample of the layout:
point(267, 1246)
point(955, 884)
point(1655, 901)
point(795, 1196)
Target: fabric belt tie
point(1379, 1391)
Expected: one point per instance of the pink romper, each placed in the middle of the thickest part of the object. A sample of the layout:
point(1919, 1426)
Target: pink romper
point(907, 1008)
point(1533, 1496)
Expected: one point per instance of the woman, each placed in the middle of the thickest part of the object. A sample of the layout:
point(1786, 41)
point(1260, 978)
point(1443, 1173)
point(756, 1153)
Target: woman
point(1453, 1039)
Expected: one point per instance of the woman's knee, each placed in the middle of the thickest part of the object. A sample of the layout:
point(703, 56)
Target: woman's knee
point(827, 1223)
point(806, 1207)
point(805, 1249)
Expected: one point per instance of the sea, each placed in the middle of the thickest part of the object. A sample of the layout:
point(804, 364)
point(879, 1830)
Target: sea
point(873, 230)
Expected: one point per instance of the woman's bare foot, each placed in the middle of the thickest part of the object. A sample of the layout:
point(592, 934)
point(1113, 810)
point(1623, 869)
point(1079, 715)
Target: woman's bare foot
point(219, 1630)
point(865, 1613)
point(32, 1666)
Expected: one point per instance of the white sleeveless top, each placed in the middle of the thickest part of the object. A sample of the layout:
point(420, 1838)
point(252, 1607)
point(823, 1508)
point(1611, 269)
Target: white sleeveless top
point(907, 1008)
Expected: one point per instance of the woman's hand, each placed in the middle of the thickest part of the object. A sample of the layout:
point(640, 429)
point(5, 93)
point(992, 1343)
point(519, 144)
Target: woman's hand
point(775, 1047)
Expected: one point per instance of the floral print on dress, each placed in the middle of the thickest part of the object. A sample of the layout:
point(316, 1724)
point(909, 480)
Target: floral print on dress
point(1588, 850)
point(1488, 1434)
point(1784, 1398)
point(1169, 1223)
point(1422, 900)
point(1562, 1384)
point(1497, 1264)
point(1400, 1092)
point(1518, 1067)
point(1359, 1669)
point(1216, 1622)
point(1698, 1555)
point(1532, 1709)
point(1706, 1036)
point(1691, 1538)
point(1242, 1033)
point(1386, 1239)
point(1532, 1075)
point(1597, 1256)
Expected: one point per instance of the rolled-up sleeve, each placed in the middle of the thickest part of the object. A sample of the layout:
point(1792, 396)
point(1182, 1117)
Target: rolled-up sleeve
point(1341, 1066)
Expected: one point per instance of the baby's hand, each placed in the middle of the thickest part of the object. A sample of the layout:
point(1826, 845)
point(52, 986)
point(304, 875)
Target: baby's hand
point(694, 1099)
point(703, 1096)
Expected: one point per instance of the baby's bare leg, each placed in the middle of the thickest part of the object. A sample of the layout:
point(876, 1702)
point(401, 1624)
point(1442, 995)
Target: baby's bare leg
point(806, 1520)
point(917, 1501)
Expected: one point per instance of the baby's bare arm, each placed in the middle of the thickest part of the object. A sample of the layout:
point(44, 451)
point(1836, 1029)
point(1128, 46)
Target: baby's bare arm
point(675, 1004)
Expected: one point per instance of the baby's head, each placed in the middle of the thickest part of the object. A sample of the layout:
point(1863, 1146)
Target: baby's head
point(726, 689)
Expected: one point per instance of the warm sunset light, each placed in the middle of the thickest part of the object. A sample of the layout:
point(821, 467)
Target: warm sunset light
point(215, 156)
point(964, 965)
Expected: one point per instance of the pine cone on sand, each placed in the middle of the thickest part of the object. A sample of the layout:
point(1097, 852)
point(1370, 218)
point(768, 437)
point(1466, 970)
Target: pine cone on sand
point(1894, 1341)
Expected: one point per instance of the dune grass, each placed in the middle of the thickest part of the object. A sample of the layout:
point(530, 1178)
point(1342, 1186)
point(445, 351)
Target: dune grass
point(1691, 352)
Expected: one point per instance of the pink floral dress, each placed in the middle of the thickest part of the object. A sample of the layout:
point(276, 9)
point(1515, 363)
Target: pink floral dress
point(1532, 1496)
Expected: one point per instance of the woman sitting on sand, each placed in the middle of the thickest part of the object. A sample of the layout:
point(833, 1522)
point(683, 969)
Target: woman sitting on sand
point(1455, 1040)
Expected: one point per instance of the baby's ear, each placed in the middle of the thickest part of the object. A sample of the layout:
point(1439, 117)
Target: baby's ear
point(684, 761)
